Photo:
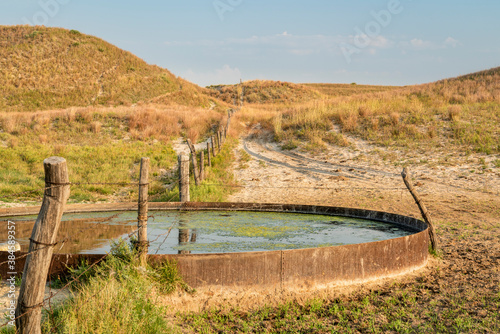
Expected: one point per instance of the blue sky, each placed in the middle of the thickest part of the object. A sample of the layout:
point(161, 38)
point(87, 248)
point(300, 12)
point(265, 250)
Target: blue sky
point(390, 42)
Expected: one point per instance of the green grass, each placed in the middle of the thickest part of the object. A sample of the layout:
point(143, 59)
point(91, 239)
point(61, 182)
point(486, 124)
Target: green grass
point(218, 182)
point(21, 168)
point(117, 297)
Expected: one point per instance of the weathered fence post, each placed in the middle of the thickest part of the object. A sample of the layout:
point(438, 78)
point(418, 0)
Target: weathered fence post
point(421, 206)
point(208, 155)
point(218, 141)
point(42, 242)
point(202, 165)
point(229, 113)
point(213, 146)
point(142, 216)
point(195, 163)
point(183, 178)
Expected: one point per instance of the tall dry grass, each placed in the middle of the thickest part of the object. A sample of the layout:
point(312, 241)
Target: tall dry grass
point(265, 91)
point(463, 112)
point(146, 121)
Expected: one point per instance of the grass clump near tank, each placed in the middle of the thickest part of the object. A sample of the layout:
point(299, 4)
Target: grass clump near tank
point(117, 297)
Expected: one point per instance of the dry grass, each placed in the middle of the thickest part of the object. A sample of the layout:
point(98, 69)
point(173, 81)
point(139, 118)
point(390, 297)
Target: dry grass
point(462, 113)
point(100, 144)
point(454, 112)
point(265, 91)
point(335, 90)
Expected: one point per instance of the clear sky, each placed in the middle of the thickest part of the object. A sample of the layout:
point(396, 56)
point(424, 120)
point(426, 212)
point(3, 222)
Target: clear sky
point(390, 42)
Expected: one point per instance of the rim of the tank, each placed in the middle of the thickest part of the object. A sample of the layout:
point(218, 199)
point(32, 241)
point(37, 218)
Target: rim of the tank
point(415, 225)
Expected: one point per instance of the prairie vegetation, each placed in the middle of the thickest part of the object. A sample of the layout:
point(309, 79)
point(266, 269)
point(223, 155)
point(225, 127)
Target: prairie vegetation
point(264, 91)
point(127, 296)
point(73, 95)
point(333, 90)
point(102, 145)
point(461, 113)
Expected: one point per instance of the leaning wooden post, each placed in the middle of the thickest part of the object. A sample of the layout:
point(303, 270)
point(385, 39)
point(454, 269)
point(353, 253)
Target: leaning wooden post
point(183, 178)
point(421, 206)
point(42, 242)
point(142, 216)
point(195, 163)
point(208, 155)
point(202, 165)
point(218, 141)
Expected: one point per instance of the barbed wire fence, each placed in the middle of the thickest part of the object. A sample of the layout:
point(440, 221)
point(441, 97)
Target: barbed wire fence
point(46, 303)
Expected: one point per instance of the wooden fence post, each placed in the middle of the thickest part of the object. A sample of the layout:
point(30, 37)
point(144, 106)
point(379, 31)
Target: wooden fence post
point(195, 163)
point(202, 165)
point(218, 141)
point(183, 178)
point(42, 242)
point(229, 113)
point(208, 155)
point(213, 146)
point(142, 216)
point(421, 206)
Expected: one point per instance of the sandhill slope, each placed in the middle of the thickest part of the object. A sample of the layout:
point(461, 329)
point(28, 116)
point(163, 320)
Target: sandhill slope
point(265, 91)
point(334, 90)
point(45, 68)
point(483, 86)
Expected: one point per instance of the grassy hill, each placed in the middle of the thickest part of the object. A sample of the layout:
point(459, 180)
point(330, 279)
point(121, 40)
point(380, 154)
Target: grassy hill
point(265, 91)
point(483, 86)
point(333, 90)
point(50, 68)
point(462, 114)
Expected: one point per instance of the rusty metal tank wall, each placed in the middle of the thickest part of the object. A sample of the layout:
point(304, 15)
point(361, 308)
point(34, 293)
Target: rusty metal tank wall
point(278, 270)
